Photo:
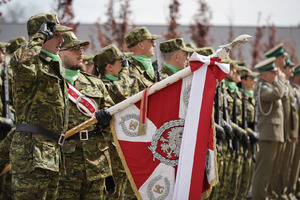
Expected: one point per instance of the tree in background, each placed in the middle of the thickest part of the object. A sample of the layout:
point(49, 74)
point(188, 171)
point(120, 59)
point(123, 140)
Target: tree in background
point(65, 13)
point(115, 28)
point(174, 16)
point(200, 28)
point(257, 44)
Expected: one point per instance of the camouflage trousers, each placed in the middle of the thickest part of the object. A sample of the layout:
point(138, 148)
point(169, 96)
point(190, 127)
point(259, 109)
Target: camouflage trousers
point(36, 185)
point(5, 185)
point(81, 190)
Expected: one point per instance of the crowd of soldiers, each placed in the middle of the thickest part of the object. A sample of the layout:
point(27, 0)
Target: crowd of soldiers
point(45, 80)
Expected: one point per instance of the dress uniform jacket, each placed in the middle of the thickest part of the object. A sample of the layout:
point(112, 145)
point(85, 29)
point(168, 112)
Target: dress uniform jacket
point(41, 99)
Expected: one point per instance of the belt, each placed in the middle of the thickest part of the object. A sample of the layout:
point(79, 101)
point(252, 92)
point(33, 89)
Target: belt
point(84, 135)
point(60, 138)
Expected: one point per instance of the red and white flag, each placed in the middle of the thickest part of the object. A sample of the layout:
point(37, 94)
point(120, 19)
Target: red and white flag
point(169, 161)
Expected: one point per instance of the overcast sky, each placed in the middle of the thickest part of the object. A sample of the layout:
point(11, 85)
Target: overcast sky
point(238, 12)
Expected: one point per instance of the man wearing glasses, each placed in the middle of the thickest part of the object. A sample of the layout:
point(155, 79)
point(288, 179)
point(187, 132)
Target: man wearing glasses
point(85, 153)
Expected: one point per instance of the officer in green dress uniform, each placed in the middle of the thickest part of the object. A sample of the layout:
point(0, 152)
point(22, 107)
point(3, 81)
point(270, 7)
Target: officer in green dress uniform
point(270, 89)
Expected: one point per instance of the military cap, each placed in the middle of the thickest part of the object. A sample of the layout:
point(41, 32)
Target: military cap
point(15, 43)
point(3, 44)
point(88, 59)
point(246, 72)
point(266, 65)
point(205, 51)
point(107, 55)
point(192, 46)
point(137, 35)
point(70, 40)
point(275, 51)
point(34, 23)
point(174, 45)
point(289, 63)
point(297, 69)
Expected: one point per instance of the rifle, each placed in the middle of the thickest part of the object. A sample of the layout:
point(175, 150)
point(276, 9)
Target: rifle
point(237, 135)
point(245, 138)
point(7, 118)
point(254, 135)
point(156, 66)
point(220, 134)
point(226, 122)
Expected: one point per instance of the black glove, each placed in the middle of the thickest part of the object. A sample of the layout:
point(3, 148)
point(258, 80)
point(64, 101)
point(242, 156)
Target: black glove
point(48, 29)
point(228, 129)
point(7, 123)
point(245, 140)
point(103, 117)
point(124, 61)
point(238, 132)
point(220, 134)
point(254, 137)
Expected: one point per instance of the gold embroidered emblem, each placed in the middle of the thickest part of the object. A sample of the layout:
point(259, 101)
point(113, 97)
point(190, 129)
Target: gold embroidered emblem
point(159, 189)
point(133, 125)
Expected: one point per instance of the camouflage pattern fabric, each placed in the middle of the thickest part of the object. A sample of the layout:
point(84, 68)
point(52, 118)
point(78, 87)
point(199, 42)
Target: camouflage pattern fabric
point(34, 23)
point(38, 184)
point(86, 161)
point(137, 35)
point(174, 45)
point(137, 70)
point(107, 55)
point(123, 88)
point(71, 40)
point(14, 44)
point(165, 72)
point(3, 44)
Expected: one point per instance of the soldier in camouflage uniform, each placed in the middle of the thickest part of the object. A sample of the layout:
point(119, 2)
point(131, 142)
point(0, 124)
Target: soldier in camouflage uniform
point(111, 63)
point(175, 55)
point(205, 51)
point(85, 154)
point(40, 101)
point(141, 42)
point(269, 91)
point(88, 65)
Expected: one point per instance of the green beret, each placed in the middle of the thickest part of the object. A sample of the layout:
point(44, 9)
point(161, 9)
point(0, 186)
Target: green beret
point(15, 43)
point(275, 51)
point(70, 40)
point(266, 65)
point(137, 35)
point(34, 23)
point(174, 45)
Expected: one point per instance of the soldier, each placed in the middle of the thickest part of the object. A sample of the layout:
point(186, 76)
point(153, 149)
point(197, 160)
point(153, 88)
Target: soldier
point(295, 166)
point(280, 58)
point(292, 135)
point(40, 94)
point(270, 89)
point(205, 51)
point(88, 65)
point(113, 67)
point(86, 153)
point(176, 56)
point(141, 42)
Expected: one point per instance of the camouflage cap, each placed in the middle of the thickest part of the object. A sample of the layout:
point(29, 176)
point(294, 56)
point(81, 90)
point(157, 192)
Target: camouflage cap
point(3, 44)
point(192, 46)
point(246, 72)
point(174, 45)
point(107, 55)
point(137, 35)
point(34, 23)
point(205, 51)
point(15, 43)
point(70, 40)
point(88, 59)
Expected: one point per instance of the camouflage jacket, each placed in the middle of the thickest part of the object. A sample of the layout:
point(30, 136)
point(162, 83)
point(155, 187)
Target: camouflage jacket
point(87, 159)
point(40, 98)
point(138, 70)
point(165, 72)
point(123, 88)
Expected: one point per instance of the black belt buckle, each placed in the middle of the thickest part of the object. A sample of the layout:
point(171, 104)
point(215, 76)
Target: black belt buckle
point(84, 135)
point(61, 139)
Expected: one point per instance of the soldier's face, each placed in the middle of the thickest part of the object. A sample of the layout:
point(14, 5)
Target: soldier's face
point(116, 68)
point(148, 48)
point(72, 58)
point(2, 54)
point(53, 45)
point(288, 71)
point(183, 58)
point(280, 61)
point(270, 76)
point(250, 81)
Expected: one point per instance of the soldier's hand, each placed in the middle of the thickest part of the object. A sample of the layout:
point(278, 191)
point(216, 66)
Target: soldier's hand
point(245, 140)
point(48, 29)
point(3, 163)
point(228, 129)
point(7, 123)
point(103, 117)
point(238, 132)
point(124, 61)
point(253, 137)
point(220, 134)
